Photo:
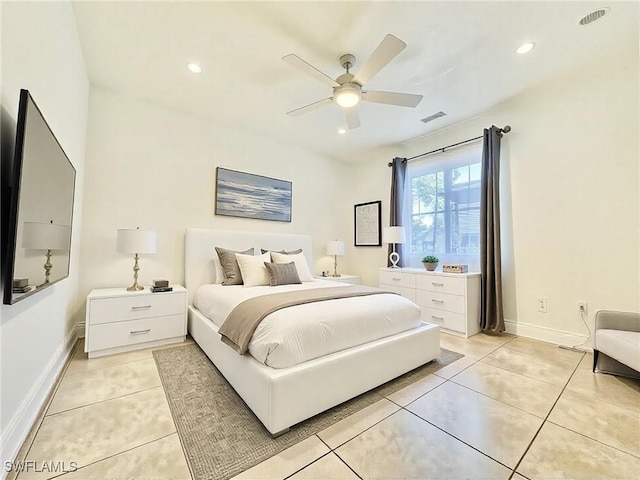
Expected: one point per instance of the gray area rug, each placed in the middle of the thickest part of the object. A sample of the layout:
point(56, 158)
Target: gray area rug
point(220, 434)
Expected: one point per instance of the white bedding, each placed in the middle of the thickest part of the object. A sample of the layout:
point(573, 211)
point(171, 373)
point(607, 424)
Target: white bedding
point(296, 334)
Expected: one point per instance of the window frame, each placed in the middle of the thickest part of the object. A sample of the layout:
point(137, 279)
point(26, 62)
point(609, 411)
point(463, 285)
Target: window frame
point(442, 162)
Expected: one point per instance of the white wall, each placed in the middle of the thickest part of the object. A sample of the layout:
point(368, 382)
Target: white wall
point(152, 167)
point(570, 196)
point(41, 52)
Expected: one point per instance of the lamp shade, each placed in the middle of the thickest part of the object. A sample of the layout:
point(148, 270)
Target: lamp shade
point(134, 240)
point(393, 234)
point(335, 247)
point(46, 236)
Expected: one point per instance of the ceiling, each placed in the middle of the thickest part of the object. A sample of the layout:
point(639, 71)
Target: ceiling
point(460, 56)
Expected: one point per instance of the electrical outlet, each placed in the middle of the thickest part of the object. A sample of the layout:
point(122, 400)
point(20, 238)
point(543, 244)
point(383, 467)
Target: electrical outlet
point(542, 304)
point(582, 307)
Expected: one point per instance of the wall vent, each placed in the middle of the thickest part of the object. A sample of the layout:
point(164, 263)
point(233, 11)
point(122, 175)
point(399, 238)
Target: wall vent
point(433, 117)
point(593, 16)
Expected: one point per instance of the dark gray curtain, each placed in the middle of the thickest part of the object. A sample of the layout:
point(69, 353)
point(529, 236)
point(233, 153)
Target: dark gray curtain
point(398, 173)
point(491, 314)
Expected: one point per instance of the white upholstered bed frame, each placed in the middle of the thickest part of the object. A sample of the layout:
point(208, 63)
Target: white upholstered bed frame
point(281, 398)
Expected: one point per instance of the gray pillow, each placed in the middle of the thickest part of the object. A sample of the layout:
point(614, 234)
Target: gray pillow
point(284, 252)
point(230, 268)
point(282, 273)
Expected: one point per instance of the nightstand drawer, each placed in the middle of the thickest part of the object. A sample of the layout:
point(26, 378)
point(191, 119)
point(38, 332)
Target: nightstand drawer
point(105, 310)
point(448, 320)
point(398, 279)
point(118, 334)
point(440, 301)
point(441, 283)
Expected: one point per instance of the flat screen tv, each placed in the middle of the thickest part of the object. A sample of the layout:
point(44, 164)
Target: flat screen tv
point(40, 214)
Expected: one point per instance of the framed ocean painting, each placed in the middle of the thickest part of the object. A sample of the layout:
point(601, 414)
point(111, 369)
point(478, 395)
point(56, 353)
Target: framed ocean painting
point(240, 194)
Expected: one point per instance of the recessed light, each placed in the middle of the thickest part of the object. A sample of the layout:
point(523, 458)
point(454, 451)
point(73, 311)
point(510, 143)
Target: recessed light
point(342, 131)
point(194, 67)
point(525, 47)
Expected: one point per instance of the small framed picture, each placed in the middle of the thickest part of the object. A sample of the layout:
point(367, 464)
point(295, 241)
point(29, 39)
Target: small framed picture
point(367, 224)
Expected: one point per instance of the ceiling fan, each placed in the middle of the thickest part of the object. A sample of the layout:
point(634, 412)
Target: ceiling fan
point(347, 88)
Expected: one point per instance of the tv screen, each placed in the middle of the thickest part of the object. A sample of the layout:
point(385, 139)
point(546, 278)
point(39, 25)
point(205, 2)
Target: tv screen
point(40, 207)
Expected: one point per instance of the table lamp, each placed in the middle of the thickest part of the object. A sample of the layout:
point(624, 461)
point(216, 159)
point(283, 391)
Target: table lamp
point(393, 236)
point(136, 241)
point(335, 248)
point(46, 236)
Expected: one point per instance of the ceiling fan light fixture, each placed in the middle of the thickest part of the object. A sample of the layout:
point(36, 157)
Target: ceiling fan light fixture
point(194, 68)
point(347, 95)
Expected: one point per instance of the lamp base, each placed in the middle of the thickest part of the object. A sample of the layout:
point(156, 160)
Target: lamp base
point(335, 267)
point(135, 287)
point(394, 258)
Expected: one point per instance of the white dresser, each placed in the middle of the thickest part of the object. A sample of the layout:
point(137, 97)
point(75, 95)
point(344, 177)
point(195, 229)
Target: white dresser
point(119, 321)
point(451, 300)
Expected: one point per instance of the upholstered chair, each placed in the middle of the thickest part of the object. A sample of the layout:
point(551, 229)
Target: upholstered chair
point(617, 337)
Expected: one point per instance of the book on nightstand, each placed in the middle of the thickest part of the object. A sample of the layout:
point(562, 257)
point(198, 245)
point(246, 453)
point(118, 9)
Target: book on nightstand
point(20, 282)
point(160, 289)
point(24, 289)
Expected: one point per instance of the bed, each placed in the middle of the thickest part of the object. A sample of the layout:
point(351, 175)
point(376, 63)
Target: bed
point(282, 397)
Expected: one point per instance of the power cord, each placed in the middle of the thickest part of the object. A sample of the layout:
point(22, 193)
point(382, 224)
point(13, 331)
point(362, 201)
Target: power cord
point(576, 347)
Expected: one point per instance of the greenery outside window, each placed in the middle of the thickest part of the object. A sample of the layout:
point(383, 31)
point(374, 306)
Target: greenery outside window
point(442, 206)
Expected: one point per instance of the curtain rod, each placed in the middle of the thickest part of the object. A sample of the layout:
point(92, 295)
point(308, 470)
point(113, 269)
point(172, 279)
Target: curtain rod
point(501, 131)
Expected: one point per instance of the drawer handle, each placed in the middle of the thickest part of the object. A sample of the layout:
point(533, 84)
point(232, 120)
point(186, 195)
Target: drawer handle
point(437, 318)
point(436, 284)
point(437, 301)
point(141, 307)
point(140, 332)
point(396, 279)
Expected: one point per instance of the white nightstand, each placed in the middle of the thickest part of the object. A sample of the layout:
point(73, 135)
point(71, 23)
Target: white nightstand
point(118, 321)
point(354, 279)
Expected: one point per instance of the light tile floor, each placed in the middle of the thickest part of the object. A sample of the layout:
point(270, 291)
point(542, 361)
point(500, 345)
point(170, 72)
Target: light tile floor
point(511, 408)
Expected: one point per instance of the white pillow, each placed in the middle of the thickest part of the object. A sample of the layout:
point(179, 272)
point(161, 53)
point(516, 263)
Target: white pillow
point(252, 268)
point(301, 264)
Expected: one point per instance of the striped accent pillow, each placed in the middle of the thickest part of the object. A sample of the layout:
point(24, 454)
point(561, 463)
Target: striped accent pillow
point(282, 273)
point(230, 268)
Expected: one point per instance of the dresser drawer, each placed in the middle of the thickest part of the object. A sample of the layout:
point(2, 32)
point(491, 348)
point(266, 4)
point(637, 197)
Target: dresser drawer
point(441, 283)
point(118, 334)
point(448, 320)
point(398, 279)
point(440, 301)
point(105, 310)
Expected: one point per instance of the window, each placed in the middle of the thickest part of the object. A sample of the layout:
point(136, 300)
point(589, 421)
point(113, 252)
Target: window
point(442, 205)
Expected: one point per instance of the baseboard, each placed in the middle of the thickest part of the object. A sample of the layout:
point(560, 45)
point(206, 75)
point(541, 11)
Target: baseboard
point(21, 423)
point(546, 334)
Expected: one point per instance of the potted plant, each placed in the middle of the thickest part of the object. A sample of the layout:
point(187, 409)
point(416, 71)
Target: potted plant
point(430, 262)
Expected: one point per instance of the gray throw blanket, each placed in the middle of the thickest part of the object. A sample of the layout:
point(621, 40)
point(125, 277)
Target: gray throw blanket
point(243, 320)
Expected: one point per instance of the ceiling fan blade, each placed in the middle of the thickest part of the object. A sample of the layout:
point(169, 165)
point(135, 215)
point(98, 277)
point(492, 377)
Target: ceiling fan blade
point(392, 98)
point(388, 49)
point(309, 69)
point(310, 107)
point(353, 119)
